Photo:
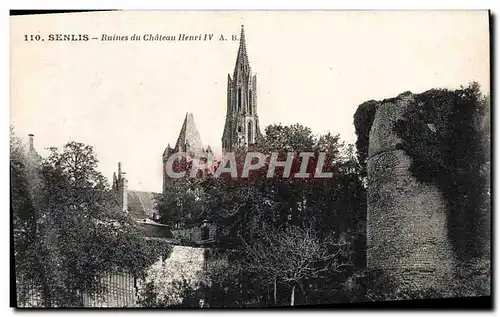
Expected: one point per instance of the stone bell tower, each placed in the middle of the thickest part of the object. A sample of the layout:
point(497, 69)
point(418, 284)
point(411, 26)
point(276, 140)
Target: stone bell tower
point(242, 123)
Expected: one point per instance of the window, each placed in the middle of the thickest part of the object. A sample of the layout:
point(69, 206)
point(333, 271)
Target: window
point(239, 98)
point(250, 101)
point(250, 139)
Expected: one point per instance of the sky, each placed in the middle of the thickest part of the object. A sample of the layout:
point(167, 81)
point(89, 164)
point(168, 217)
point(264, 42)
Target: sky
point(128, 99)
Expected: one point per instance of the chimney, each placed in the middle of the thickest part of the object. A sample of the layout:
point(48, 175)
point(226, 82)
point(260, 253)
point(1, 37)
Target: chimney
point(122, 186)
point(115, 181)
point(31, 146)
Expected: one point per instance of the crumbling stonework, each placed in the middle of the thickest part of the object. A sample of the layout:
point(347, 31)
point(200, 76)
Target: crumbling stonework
point(194, 235)
point(183, 270)
point(406, 220)
point(407, 230)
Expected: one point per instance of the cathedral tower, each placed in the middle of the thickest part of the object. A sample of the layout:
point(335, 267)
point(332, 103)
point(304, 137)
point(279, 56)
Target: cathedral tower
point(242, 123)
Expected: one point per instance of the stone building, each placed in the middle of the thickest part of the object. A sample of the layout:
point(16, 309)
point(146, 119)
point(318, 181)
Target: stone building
point(241, 127)
point(189, 142)
point(406, 225)
point(140, 205)
point(120, 187)
point(190, 252)
point(406, 219)
point(242, 122)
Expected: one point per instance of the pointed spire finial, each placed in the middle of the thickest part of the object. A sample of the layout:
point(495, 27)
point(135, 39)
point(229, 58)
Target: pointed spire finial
point(242, 38)
point(242, 57)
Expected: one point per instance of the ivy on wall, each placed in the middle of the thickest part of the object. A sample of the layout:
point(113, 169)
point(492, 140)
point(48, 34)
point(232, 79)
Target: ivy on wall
point(159, 248)
point(446, 133)
point(363, 120)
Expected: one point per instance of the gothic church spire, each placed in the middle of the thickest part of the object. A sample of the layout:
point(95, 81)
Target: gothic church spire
point(242, 123)
point(242, 57)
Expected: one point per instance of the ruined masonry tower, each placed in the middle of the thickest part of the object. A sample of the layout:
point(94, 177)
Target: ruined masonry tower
point(242, 123)
point(406, 220)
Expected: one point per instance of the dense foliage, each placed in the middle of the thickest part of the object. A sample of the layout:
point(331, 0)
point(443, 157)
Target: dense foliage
point(68, 230)
point(180, 205)
point(446, 133)
point(363, 120)
point(259, 217)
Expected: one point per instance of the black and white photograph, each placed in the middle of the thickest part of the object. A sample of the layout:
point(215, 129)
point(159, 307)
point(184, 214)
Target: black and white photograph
point(250, 159)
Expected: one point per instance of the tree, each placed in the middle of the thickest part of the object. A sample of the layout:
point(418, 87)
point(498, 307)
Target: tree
point(79, 233)
point(181, 204)
point(293, 255)
point(223, 273)
point(249, 210)
point(258, 204)
point(27, 252)
point(363, 120)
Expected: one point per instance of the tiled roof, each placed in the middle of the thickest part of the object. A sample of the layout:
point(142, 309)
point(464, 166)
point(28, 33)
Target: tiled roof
point(189, 136)
point(152, 229)
point(141, 205)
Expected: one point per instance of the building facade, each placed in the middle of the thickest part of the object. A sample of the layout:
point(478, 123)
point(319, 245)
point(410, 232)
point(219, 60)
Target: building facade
point(241, 128)
point(242, 122)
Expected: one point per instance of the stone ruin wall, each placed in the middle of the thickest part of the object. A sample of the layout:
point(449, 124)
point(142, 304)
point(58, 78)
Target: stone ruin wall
point(407, 235)
point(193, 235)
point(184, 262)
point(406, 220)
point(187, 262)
